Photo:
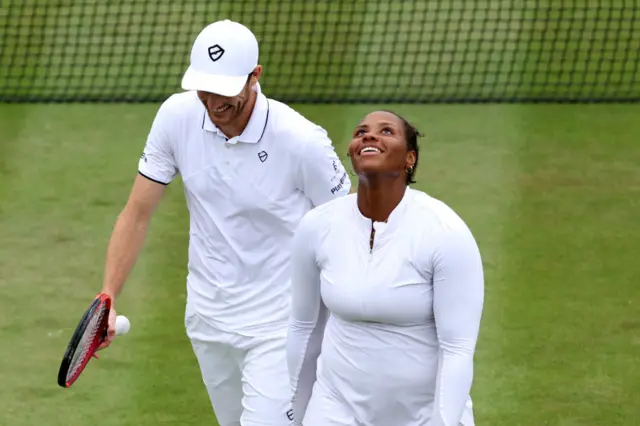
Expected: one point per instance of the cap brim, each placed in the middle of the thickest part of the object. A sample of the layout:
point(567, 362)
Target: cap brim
point(223, 85)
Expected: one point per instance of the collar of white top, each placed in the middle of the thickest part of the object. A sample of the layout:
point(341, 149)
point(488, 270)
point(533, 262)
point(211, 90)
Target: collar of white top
point(255, 127)
point(392, 221)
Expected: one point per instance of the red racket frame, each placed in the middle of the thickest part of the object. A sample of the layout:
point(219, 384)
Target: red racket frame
point(100, 300)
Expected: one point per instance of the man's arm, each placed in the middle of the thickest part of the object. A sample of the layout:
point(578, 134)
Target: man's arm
point(129, 233)
point(322, 174)
point(127, 240)
point(156, 169)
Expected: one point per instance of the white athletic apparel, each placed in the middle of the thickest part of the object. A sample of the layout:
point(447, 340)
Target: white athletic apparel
point(327, 409)
point(245, 376)
point(245, 196)
point(387, 335)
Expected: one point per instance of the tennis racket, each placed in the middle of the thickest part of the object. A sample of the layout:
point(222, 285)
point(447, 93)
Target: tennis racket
point(87, 337)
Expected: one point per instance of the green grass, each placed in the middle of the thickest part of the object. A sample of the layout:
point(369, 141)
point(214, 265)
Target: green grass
point(551, 193)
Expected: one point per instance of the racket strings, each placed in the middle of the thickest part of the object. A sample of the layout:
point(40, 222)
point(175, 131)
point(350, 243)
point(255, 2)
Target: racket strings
point(87, 342)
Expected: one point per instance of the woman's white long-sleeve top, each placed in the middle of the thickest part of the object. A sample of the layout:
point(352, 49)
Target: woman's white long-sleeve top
point(389, 333)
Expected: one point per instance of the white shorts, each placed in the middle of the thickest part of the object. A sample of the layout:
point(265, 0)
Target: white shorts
point(326, 409)
point(246, 377)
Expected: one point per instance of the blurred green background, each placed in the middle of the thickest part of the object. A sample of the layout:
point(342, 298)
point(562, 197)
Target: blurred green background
point(550, 191)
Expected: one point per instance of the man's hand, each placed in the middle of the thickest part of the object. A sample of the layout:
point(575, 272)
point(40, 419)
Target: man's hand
point(111, 333)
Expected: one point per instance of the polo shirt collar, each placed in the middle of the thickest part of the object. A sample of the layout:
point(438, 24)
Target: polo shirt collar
point(255, 127)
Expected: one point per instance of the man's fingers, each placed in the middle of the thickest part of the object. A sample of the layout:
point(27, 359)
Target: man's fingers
point(111, 331)
point(103, 345)
point(111, 334)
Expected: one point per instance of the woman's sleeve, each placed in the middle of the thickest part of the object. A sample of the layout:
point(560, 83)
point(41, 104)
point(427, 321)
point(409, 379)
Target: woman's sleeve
point(458, 287)
point(308, 317)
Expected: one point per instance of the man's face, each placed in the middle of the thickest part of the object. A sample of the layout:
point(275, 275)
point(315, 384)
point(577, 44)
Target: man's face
point(224, 110)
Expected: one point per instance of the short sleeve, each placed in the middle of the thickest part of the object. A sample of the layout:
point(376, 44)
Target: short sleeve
point(322, 175)
point(157, 161)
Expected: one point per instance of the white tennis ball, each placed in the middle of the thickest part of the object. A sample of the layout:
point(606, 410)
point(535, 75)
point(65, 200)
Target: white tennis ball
point(122, 325)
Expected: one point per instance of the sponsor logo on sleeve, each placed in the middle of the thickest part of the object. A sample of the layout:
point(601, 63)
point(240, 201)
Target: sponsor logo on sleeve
point(338, 171)
point(340, 184)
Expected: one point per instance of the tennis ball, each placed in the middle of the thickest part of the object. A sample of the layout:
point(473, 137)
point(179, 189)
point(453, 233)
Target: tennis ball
point(122, 325)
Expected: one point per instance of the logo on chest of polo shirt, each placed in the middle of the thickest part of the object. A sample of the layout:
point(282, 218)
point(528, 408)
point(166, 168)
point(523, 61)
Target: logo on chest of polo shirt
point(262, 155)
point(216, 52)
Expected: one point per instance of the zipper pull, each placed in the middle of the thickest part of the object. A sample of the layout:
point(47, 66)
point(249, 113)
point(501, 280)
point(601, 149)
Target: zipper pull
point(372, 238)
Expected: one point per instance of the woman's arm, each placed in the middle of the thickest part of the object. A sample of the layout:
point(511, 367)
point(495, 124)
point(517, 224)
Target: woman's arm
point(458, 287)
point(308, 318)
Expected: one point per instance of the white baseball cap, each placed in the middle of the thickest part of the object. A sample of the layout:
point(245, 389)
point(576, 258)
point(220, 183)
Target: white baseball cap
point(222, 57)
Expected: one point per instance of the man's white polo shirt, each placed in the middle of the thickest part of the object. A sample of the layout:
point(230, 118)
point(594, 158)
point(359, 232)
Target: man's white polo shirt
point(245, 196)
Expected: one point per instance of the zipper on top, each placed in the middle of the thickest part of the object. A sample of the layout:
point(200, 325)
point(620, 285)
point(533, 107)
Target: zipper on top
point(372, 238)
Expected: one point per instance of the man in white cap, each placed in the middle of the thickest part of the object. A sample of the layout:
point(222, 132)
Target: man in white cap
point(251, 168)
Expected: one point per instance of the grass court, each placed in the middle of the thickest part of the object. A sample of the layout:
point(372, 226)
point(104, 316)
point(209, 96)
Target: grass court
point(551, 193)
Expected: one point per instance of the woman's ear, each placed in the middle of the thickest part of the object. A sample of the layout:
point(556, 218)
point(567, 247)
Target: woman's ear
point(411, 159)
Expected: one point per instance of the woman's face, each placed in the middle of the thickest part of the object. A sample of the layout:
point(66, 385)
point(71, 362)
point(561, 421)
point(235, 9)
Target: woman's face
point(379, 146)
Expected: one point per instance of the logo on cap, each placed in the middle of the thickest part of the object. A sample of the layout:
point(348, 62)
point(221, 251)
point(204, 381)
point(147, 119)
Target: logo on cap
point(216, 52)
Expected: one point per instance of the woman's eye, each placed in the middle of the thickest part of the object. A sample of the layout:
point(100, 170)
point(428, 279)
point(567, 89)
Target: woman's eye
point(387, 131)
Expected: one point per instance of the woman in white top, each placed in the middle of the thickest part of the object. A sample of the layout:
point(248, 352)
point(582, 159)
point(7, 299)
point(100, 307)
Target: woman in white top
point(387, 296)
